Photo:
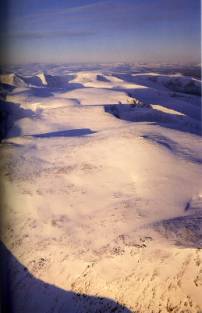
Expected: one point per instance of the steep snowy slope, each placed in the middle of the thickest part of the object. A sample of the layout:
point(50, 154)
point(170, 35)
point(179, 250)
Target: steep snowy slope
point(13, 80)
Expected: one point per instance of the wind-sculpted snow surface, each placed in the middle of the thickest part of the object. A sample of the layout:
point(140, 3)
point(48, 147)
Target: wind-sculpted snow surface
point(101, 176)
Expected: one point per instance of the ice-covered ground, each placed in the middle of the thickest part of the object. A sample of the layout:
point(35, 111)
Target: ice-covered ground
point(102, 183)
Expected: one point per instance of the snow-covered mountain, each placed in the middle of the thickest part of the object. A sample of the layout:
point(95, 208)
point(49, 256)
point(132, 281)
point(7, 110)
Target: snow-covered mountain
point(101, 172)
point(12, 80)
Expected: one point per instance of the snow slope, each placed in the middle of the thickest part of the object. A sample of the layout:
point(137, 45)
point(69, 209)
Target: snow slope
point(103, 196)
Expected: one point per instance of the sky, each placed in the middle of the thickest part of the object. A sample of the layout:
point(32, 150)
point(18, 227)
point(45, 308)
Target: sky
point(95, 31)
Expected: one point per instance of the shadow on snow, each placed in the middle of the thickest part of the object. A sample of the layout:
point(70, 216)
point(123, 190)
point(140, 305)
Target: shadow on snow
point(66, 133)
point(21, 292)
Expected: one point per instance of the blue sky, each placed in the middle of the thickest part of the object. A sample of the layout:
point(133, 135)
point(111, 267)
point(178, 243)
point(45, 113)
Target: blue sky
point(151, 31)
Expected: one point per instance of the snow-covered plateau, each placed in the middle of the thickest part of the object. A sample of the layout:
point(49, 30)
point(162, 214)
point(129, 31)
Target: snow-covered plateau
point(101, 185)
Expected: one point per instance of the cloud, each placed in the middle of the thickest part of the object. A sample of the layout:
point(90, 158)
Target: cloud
point(103, 16)
point(53, 13)
point(44, 35)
